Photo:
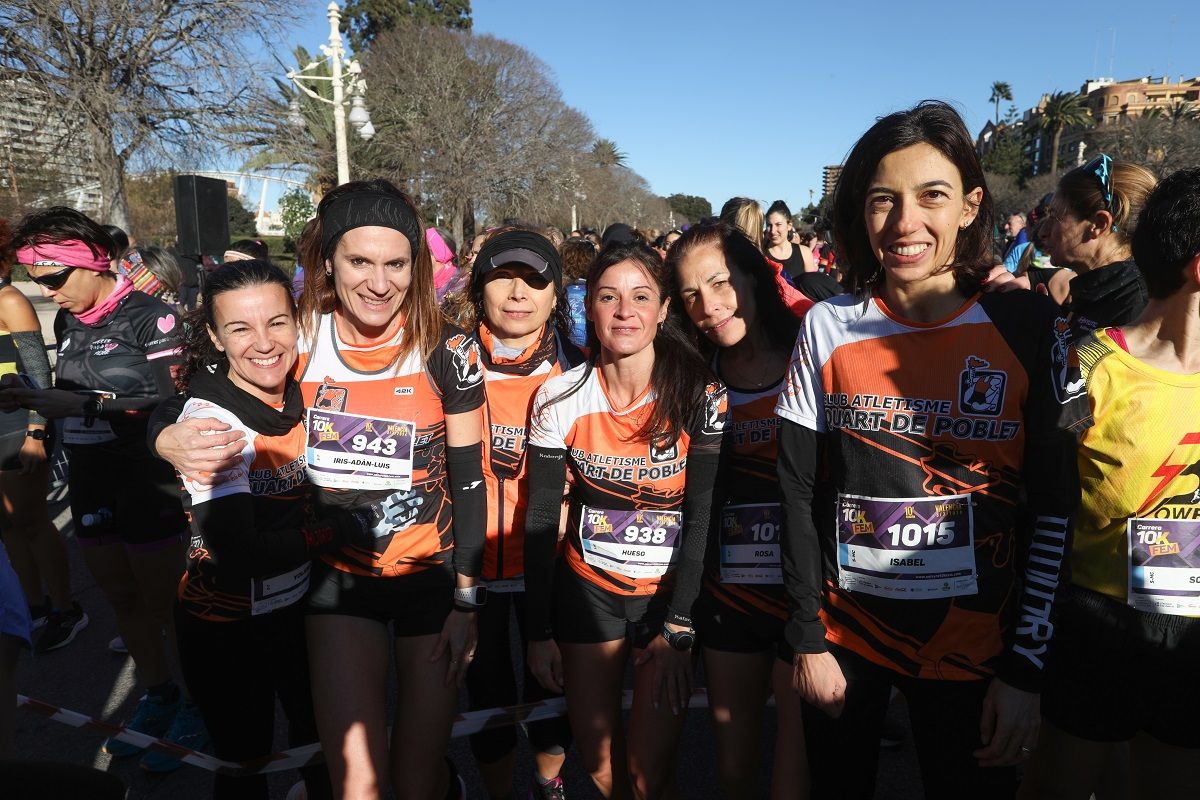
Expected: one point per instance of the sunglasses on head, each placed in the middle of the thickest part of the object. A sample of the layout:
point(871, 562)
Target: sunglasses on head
point(54, 280)
point(1101, 168)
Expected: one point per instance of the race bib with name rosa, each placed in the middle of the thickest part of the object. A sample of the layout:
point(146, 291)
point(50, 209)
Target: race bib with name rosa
point(346, 451)
point(914, 548)
point(271, 594)
point(74, 431)
point(636, 544)
point(750, 544)
point(1164, 566)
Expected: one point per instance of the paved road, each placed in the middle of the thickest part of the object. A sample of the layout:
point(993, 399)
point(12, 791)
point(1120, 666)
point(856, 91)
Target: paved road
point(86, 677)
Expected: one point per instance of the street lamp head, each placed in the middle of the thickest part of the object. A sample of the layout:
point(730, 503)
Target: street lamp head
point(294, 118)
point(358, 116)
point(366, 131)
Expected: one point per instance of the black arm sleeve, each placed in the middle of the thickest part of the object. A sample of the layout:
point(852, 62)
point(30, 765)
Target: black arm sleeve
point(802, 561)
point(166, 414)
point(164, 384)
point(245, 547)
point(697, 515)
point(547, 476)
point(1052, 484)
point(468, 495)
point(32, 352)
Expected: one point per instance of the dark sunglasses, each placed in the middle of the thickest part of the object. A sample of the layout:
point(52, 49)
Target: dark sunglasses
point(55, 280)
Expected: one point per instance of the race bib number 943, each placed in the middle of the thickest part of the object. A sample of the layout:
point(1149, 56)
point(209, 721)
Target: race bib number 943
point(346, 451)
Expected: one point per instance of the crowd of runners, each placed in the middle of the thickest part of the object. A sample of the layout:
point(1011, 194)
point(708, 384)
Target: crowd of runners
point(831, 472)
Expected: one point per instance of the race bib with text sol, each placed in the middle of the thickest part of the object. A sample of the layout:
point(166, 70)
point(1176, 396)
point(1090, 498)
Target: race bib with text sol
point(1164, 566)
point(633, 543)
point(914, 548)
point(346, 451)
point(750, 544)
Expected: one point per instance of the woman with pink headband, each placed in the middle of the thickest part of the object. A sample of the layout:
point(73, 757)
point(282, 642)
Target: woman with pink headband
point(116, 352)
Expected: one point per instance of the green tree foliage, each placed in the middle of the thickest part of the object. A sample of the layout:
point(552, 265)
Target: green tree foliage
point(1007, 158)
point(295, 210)
point(606, 154)
point(1000, 91)
point(690, 206)
point(242, 223)
point(364, 20)
point(1063, 110)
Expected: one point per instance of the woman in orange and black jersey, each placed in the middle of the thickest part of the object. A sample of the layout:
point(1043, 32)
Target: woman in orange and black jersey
point(727, 290)
point(639, 426)
point(393, 400)
point(523, 330)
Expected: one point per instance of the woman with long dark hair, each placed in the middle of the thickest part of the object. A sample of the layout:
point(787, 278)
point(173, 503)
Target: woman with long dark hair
point(639, 426)
point(727, 290)
point(947, 441)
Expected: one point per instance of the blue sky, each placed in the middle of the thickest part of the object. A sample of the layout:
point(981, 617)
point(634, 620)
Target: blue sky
point(747, 98)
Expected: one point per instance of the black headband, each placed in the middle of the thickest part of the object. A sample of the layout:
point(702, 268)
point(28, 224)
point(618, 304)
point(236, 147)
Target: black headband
point(368, 208)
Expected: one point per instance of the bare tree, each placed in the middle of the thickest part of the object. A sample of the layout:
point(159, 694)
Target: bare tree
point(139, 81)
point(1163, 142)
point(472, 121)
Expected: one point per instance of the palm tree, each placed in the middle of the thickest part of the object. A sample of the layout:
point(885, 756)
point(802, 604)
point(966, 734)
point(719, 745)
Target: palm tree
point(606, 154)
point(1000, 91)
point(1062, 110)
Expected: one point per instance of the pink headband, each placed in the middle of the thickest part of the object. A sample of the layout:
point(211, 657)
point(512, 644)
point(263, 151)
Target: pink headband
point(438, 248)
point(71, 253)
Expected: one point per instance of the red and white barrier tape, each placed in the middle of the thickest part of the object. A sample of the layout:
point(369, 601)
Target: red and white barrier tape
point(464, 725)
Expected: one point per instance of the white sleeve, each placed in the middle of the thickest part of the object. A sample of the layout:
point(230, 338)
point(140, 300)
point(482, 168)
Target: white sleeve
point(545, 422)
point(802, 400)
point(233, 481)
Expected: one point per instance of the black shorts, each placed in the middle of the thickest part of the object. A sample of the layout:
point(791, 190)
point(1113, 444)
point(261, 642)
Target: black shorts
point(1114, 671)
point(414, 608)
point(720, 626)
point(586, 614)
point(119, 499)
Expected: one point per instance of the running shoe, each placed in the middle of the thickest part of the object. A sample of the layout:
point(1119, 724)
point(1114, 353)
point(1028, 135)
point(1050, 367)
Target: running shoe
point(60, 628)
point(299, 791)
point(152, 717)
point(550, 790)
point(117, 645)
point(38, 613)
point(187, 730)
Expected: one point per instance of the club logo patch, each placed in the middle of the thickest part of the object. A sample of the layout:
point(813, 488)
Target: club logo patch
point(331, 398)
point(981, 390)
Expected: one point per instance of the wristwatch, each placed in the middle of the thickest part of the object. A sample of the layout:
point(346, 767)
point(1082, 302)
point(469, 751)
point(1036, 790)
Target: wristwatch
point(471, 599)
point(37, 433)
point(92, 408)
point(680, 640)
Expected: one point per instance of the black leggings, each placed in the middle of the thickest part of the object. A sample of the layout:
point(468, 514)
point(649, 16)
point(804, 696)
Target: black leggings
point(492, 683)
point(843, 754)
point(234, 670)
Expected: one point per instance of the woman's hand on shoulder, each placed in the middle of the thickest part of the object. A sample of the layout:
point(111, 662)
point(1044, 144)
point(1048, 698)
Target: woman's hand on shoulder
point(201, 448)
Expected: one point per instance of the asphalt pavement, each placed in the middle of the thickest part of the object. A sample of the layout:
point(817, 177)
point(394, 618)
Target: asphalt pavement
point(85, 677)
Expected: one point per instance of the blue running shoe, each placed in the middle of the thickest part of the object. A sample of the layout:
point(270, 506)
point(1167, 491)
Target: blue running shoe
point(152, 717)
point(187, 730)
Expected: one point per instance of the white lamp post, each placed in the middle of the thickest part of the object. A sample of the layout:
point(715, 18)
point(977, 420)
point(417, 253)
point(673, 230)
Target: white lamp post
point(352, 81)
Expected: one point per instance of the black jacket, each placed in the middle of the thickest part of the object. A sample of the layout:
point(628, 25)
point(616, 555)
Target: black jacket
point(1108, 296)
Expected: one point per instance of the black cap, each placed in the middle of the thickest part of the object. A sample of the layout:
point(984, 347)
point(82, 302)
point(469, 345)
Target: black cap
point(617, 233)
point(518, 247)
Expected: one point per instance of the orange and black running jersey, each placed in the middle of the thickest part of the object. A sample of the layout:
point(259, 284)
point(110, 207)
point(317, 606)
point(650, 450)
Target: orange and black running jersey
point(237, 566)
point(510, 385)
point(1137, 533)
point(933, 431)
point(366, 416)
point(749, 485)
point(616, 476)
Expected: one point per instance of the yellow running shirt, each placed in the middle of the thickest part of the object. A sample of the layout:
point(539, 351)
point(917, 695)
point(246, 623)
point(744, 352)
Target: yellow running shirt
point(1137, 532)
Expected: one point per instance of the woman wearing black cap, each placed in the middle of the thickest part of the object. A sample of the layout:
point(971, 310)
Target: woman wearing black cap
point(516, 292)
